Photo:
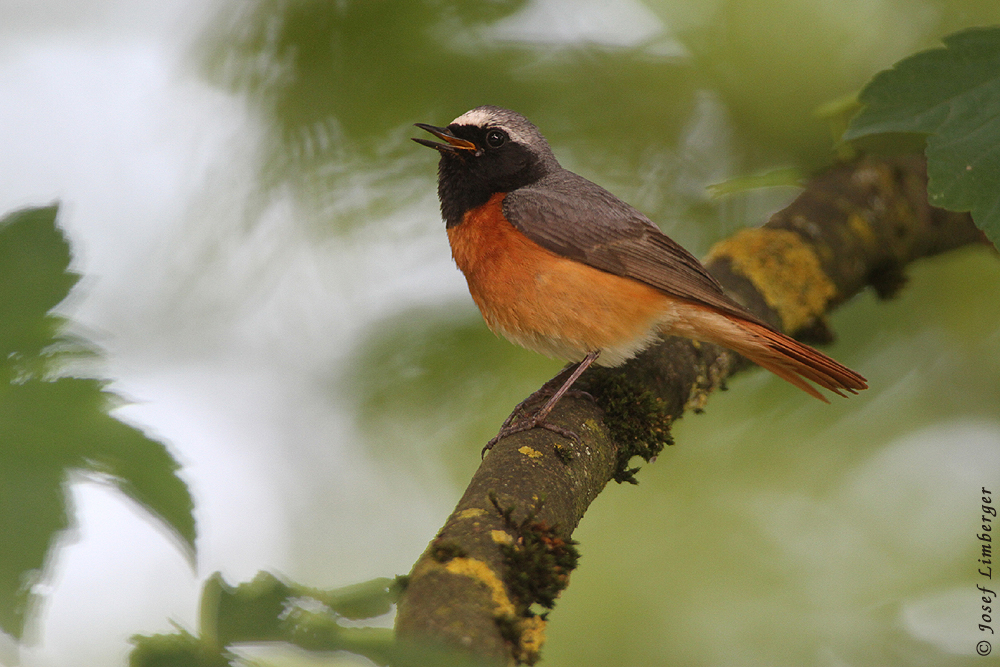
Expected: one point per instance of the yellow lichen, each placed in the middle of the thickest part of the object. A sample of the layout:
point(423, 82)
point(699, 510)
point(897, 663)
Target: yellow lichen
point(530, 452)
point(861, 229)
point(698, 398)
point(784, 269)
point(471, 513)
point(480, 571)
point(501, 537)
point(531, 637)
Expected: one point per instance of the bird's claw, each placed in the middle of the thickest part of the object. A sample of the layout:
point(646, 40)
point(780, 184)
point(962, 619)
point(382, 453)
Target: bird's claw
point(507, 430)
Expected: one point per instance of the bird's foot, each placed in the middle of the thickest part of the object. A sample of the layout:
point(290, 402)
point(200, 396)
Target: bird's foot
point(527, 425)
point(517, 422)
point(555, 389)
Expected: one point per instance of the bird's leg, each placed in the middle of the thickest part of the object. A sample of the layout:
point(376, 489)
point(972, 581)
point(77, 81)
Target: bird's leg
point(538, 419)
point(545, 391)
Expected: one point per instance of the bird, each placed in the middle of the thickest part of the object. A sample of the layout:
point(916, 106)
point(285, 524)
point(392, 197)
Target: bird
point(559, 265)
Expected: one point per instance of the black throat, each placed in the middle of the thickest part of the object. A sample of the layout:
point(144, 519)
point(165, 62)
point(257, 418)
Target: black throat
point(464, 183)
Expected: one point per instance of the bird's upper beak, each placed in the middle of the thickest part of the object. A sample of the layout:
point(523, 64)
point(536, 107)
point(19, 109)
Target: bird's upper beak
point(454, 145)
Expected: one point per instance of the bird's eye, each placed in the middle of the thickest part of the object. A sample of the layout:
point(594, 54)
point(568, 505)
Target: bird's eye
point(496, 138)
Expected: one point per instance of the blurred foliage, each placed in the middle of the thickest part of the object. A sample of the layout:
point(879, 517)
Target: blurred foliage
point(345, 81)
point(269, 609)
point(439, 374)
point(951, 95)
point(706, 92)
point(372, 67)
point(51, 426)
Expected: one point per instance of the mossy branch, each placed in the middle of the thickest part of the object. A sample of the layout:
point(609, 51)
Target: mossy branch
point(506, 551)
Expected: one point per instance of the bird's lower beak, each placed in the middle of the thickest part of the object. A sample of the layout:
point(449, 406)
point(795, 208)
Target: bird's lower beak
point(454, 145)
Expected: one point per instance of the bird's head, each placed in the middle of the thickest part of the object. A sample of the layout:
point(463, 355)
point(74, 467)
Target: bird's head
point(485, 151)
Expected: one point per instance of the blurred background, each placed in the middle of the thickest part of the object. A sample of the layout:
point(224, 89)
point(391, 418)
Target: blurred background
point(266, 272)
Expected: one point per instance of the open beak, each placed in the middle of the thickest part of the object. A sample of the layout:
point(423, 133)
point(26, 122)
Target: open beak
point(454, 145)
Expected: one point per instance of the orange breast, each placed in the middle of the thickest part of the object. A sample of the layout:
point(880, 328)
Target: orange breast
point(548, 303)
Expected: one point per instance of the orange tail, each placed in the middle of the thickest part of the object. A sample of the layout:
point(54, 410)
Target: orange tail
point(794, 361)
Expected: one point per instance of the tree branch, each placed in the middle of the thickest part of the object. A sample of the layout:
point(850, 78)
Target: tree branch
point(506, 549)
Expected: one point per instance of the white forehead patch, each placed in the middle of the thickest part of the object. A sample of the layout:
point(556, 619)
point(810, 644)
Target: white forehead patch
point(483, 117)
point(475, 117)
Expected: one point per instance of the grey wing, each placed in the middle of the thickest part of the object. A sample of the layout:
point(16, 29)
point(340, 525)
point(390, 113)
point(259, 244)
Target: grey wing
point(572, 217)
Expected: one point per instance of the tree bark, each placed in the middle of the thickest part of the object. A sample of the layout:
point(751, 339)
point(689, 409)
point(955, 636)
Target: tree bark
point(506, 551)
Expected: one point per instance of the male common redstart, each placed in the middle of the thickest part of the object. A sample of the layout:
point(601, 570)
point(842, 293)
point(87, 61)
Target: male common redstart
point(559, 265)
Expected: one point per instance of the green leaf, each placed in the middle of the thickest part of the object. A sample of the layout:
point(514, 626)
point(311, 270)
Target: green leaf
point(34, 278)
point(32, 512)
point(256, 610)
point(177, 650)
point(250, 612)
point(951, 95)
point(268, 609)
point(51, 427)
point(365, 600)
